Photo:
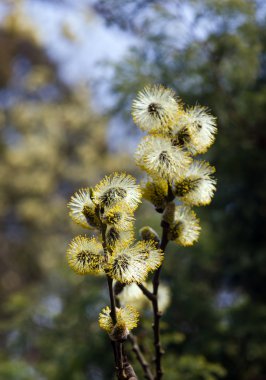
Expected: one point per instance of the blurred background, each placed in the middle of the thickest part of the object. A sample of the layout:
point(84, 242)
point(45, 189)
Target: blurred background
point(68, 73)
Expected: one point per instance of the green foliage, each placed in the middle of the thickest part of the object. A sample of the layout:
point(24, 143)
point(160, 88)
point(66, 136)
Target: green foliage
point(17, 370)
point(193, 368)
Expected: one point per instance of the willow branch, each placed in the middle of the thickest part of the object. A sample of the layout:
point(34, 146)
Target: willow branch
point(133, 339)
point(117, 346)
point(156, 313)
point(146, 292)
point(140, 357)
point(156, 282)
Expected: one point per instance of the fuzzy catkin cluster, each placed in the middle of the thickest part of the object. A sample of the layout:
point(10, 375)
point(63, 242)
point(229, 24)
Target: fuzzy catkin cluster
point(108, 209)
point(175, 136)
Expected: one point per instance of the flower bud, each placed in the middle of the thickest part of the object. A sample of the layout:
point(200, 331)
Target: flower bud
point(148, 233)
point(169, 212)
point(119, 332)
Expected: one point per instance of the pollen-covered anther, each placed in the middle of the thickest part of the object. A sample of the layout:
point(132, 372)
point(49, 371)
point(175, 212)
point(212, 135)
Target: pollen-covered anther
point(121, 220)
point(154, 255)
point(201, 126)
point(184, 187)
point(198, 185)
point(118, 189)
point(127, 268)
point(159, 158)
point(126, 319)
point(147, 233)
point(184, 226)
point(113, 195)
point(133, 263)
point(155, 191)
point(115, 236)
point(181, 138)
point(113, 217)
point(82, 209)
point(155, 108)
point(85, 256)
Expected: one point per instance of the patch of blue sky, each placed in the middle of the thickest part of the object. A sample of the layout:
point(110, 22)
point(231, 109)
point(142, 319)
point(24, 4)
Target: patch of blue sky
point(79, 58)
point(4, 9)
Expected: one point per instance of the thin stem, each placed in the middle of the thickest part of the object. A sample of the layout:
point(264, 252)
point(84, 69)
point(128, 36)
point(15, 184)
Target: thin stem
point(117, 346)
point(129, 372)
point(156, 313)
point(140, 357)
point(115, 354)
point(112, 299)
point(121, 374)
point(109, 279)
point(146, 292)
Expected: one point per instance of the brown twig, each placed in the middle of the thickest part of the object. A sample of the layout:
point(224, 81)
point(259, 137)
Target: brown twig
point(139, 355)
point(112, 299)
point(146, 292)
point(156, 312)
point(129, 371)
point(118, 288)
point(117, 346)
